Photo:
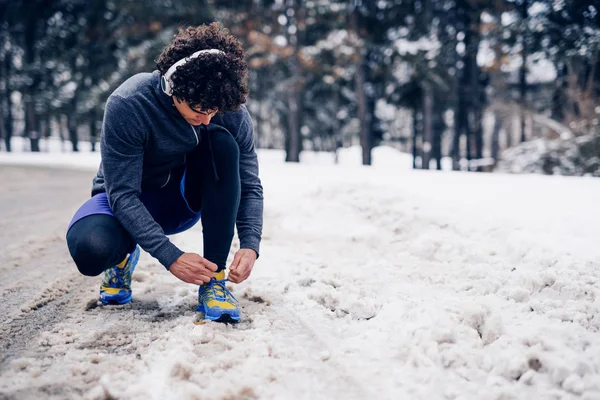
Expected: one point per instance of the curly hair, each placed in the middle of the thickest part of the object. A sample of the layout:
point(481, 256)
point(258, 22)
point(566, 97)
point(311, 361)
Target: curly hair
point(210, 81)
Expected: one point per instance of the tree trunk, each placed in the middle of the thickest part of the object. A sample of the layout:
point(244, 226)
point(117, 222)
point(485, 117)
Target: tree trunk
point(359, 87)
point(7, 122)
point(478, 135)
point(62, 130)
point(259, 123)
point(29, 49)
point(45, 130)
point(8, 126)
point(459, 128)
point(4, 104)
point(559, 97)
point(467, 121)
point(294, 142)
point(93, 127)
point(462, 127)
point(438, 132)
point(31, 122)
point(427, 124)
point(415, 136)
point(429, 146)
point(510, 132)
point(477, 94)
point(258, 132)
point(462, 124)
point(495, 150)
point(365, 142)
point(72, 124)
point(337, 135)
point(475, 131)
point(293, 150)
point(2, 127)
point(523, 70)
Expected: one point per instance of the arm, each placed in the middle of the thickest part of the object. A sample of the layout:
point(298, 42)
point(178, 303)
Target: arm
point(250, 213)
point(122, 148)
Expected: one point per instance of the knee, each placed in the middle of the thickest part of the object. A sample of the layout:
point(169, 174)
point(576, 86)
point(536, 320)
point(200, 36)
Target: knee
point(90, 251)
point(223, 143)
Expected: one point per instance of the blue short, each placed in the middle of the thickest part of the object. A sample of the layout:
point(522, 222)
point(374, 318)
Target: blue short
point(168, 206)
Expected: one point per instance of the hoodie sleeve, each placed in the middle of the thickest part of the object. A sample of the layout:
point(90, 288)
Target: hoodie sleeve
point(122, 150)
point(250, 213)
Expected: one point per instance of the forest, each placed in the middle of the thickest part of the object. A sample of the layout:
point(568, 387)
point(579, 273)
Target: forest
point(471, 85)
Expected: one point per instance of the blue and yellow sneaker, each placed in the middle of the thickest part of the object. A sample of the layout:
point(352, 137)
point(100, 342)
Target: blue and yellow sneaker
point(116, 286)
point(216, 302)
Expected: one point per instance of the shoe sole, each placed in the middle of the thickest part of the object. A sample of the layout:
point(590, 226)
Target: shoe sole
point(116, 301)
point(226, 318)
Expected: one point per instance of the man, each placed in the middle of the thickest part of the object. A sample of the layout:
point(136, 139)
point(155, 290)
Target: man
point(177, 147)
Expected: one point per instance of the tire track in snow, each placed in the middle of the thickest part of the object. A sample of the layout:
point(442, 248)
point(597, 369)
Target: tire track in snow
point(38, 315)
point(39, 285)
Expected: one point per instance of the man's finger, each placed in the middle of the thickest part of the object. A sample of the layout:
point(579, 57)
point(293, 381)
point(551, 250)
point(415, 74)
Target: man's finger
point(210, 265)
point(245, 267)
point(239, 271)
point(238, 260)
point(235, 263)
point(243, 278)
point(239, 276)
point(197, 280)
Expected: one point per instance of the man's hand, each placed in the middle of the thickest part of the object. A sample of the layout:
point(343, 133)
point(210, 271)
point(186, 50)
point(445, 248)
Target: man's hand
point(193, 268)
point(242, 264)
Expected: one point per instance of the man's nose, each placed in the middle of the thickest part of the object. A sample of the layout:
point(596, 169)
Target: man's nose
point(205, 119)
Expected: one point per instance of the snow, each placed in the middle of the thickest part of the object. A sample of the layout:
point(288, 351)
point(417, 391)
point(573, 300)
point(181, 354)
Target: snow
point(54, 154)
point(539, 70)
point(427, 44)
point(372, 283)
point(575, 156)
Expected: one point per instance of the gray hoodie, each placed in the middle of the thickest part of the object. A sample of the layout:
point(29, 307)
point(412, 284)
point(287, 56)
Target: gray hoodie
point(144, 138)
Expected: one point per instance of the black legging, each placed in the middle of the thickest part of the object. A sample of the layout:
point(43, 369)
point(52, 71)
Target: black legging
point(99, 241)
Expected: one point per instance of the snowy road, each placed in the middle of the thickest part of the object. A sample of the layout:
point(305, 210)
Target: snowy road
point(371, 283)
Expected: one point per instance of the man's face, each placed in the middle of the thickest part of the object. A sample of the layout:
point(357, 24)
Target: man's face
point(193, 116)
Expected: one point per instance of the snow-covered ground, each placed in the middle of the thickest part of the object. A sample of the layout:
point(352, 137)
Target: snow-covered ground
point(372, 283)
point(53, 153)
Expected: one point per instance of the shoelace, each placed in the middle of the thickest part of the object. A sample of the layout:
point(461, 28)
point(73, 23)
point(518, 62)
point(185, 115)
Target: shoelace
point(113, 273)
point(216, 289)
point(112, 278)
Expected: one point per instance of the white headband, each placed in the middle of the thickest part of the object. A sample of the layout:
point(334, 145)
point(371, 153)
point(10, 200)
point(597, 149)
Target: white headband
point(166, 82)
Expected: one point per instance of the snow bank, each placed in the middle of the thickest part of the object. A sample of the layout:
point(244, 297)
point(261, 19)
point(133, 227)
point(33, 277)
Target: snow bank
point(576, 156)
